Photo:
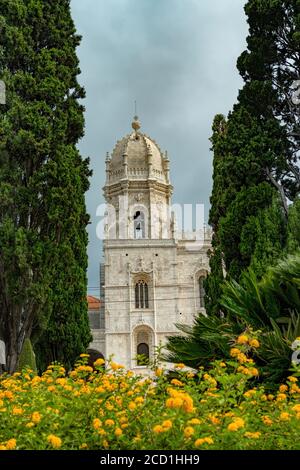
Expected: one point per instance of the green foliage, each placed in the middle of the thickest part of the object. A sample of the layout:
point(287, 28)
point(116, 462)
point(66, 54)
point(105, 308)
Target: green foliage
point(27, 357)
point(294, 227)
point(270, 305)
point(216, 408)
point(43, 179)
point(208, 339)
point(256, 150)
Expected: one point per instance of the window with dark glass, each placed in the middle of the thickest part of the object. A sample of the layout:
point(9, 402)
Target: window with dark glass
point(141, 295)
point(202, 292)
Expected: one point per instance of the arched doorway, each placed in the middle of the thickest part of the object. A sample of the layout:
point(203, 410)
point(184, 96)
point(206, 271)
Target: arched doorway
point(143, 354)
point(143, 345)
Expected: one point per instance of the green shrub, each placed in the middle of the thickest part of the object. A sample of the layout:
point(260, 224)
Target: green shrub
point(27, 357)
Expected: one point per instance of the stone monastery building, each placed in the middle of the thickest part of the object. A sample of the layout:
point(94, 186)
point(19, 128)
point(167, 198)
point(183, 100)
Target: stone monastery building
point(152, 275)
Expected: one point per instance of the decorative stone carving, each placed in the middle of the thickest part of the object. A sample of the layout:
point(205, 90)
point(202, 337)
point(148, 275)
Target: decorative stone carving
point(139, 197)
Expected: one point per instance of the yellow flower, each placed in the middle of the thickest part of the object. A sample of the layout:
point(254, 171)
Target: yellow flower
point(270, 397)
point(243, 339)
point(84, 355)
point(167, 424)
point(177, 382)
point(194, 421)
point(85, 369)
point(159, 372)
point(267, 421)
point(158, 429)
point(116, 366)
point(188, 431)
point(105, 444)
point(54, 441)
point(84, 446)
point(99, 362)
point(296, 408)
point(222, 364)
point(203, 440)
point(283, 388)
point(132, 406)
point(61, 381)
point(281, 397)
point(294, 388)
point(253, 371)
point(179, 366)
point(2, 447)
point(188, 404)
point(190, 375)
point(174, 402)
point(11, 444)
point(30, 425)
point(109, 422)
point(236, 424)
point(252, 435)
point(97, 423)
point(284, 416)
point(118, 432)
point(234, 352)
point(254, 343)
point(293, 379)
point(242, 358)
point(139, 400)
point(17, 411)
point(123, 419)
point(214, 420)
point(249, 393)
point(36, 417)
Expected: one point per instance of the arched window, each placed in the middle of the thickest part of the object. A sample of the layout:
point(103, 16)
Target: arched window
point(142, 354)
point(141, 295)
point(202, 291)
point(139, 225)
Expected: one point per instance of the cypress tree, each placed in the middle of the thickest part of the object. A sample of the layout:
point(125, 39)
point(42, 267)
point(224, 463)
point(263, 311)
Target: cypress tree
point(256, 149)
point(43, 179)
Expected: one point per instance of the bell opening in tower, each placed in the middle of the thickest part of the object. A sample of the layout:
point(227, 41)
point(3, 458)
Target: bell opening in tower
point(139, 225)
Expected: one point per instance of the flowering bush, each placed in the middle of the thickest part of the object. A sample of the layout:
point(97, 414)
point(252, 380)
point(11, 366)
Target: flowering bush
point(222, 408)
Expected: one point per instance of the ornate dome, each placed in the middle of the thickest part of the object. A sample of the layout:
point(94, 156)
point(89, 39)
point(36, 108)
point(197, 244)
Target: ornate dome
point(137, 157)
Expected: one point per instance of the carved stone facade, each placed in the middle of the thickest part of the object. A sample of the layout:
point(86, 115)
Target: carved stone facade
point(152, 280)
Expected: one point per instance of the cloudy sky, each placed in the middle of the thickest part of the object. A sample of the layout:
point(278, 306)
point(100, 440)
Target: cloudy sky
point(177, 59)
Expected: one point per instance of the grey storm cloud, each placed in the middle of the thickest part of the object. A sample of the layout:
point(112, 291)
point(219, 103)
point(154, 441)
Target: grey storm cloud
point(177, 59)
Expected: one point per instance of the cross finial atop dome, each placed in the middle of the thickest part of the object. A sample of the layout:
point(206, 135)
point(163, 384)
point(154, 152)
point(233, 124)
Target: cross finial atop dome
point(136, 124)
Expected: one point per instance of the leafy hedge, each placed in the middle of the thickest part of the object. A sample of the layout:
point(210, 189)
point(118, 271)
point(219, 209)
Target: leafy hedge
point(224, 407)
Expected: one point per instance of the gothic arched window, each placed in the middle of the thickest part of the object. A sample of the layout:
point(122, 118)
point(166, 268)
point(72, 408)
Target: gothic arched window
point(141, 295)
point(142, 354)
point(202, 292)
point(139, 225)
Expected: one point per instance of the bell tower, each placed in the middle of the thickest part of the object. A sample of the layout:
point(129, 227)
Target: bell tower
point(150, 280)
point(137, 189)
